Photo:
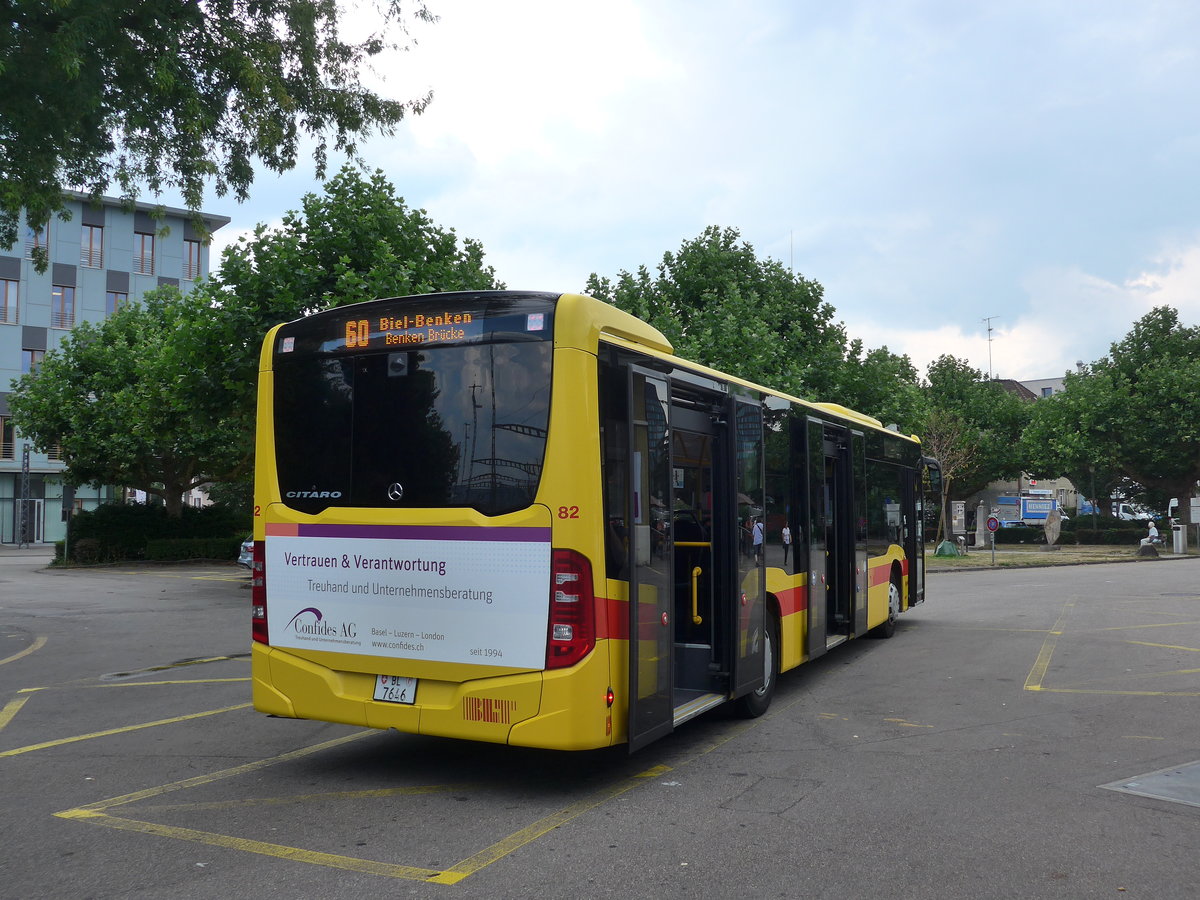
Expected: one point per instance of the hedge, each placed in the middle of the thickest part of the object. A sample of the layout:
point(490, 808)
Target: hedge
point(115, 532)
point(1078, 531)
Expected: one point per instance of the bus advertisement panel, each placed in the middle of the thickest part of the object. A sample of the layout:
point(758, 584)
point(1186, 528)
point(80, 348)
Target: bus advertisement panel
point(465, 595)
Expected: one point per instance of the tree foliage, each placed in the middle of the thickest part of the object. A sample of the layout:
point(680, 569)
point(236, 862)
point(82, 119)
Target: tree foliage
point(947, 438)
point(356, 241)
point(1137, 410)
point(127, 401)
point(882, 384)
point(175, 94)
point(719, 304)
point(988, 420)
point(161, 396)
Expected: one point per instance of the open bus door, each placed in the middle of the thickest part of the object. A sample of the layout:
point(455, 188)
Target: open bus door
point(836, 541)
point(696, 604)
point(926, 489)
point(651, 551)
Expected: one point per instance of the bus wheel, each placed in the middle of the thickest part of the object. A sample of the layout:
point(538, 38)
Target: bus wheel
point(888, 628)
point(754, 704)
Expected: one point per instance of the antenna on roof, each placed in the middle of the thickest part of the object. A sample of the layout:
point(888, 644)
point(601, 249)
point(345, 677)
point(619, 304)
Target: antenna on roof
point(988, 322)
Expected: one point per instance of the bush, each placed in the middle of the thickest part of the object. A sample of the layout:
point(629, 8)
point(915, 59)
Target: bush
point(120, 532)
point(1109, 531)
point(1021, 534)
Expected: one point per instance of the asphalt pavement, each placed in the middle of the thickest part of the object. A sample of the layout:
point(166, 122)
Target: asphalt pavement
point(1026, 733)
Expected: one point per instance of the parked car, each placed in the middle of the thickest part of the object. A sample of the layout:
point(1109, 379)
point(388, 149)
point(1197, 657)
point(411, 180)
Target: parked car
point(246, 556)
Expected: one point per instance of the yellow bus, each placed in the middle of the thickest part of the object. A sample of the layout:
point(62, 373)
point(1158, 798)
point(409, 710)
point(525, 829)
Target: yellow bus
point(520, 518)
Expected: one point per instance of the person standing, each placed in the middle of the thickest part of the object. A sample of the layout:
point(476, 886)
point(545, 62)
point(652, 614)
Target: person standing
point(787, 542)
point(758, 532)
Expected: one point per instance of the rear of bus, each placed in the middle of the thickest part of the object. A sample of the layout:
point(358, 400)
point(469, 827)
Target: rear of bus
point(424, 522)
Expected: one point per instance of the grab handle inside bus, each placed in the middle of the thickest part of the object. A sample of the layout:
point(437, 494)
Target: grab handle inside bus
point(696, 620)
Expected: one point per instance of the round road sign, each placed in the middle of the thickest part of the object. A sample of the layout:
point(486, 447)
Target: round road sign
point(993, 523)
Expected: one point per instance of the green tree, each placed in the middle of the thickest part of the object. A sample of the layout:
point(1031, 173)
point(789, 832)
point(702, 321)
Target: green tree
point(127, 404)
point(160, 94)
point(882, 384)
point(719, 304)
point(1057, 447)
point(945, 436)
point(968, 412)
point(1136, 410)
point(356, 241)
point(162, 396)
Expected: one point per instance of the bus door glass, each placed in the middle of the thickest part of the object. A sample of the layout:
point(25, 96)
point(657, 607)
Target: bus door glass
point(929, 496)
point(857, 485)
point(650, 548)
point(839, 528)
point(815, 528)
point(694, 568)
point(748, 596)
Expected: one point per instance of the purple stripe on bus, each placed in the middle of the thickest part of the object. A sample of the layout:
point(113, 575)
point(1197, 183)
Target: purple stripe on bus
point(427, 533)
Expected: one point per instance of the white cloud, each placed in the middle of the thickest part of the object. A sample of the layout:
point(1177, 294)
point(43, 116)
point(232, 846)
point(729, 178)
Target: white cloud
point(1071, 317)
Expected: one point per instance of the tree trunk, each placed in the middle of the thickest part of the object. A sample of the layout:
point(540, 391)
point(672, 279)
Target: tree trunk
point(173, 501)
point(944, 518)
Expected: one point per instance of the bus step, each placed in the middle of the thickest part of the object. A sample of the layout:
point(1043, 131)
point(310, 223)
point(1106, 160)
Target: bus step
point(698, 703)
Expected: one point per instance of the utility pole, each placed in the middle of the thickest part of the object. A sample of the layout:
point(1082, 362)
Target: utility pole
point(988, 321)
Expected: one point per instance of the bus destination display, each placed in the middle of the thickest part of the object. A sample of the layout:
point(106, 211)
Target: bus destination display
point(412, 328)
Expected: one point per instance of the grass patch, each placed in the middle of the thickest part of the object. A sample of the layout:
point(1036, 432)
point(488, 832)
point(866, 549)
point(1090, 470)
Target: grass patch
point(1023, 556)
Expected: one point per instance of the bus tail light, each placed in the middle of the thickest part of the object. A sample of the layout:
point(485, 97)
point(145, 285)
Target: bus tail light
point(258, 593)
point(572, 631)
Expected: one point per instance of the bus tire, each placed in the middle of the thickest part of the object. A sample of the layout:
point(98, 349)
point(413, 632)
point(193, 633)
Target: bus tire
point(755, 703)
point(888, 628)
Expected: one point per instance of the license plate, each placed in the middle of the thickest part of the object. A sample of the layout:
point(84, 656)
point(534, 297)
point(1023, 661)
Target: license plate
point(394, 689)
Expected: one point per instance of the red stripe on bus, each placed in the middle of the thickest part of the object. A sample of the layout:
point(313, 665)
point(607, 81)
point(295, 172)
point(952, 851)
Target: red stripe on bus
point(792, 600)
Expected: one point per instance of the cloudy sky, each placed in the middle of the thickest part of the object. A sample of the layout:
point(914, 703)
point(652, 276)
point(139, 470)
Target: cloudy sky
point(932, 163)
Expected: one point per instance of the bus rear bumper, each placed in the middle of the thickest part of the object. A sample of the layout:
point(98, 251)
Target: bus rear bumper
point(533, 709)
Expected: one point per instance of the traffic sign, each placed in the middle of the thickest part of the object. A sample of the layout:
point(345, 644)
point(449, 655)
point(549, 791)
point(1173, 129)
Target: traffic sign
point(993, 523)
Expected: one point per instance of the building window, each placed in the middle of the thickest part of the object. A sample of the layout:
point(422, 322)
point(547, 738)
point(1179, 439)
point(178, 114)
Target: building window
point(1047, 391)
point(143, 253)
point(62, 306)
point(113, 301)
point(55, 453)
point(8, 439)
point(30, 360)
point(191, 260)
point(91, 245)
point(36, 241)
point(8, 302)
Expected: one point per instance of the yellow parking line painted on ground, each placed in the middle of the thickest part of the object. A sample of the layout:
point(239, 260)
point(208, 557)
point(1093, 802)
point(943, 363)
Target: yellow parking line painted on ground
point(1033, 681)
point(515, 841)
point(1128, 627)
point(124, 684)
point(1165, 646)
point(653, 772)
point(1119, 694)
point(1124, 678)
point(37, 645)
point(96, 813)
point(243, 769)
point(194, 576)
point(11, 709)
point(122, 730)
point(296, 854)
point(373, 794)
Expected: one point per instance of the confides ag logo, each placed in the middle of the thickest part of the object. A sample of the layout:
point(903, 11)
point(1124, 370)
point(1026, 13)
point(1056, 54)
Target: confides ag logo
point(311, 622)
